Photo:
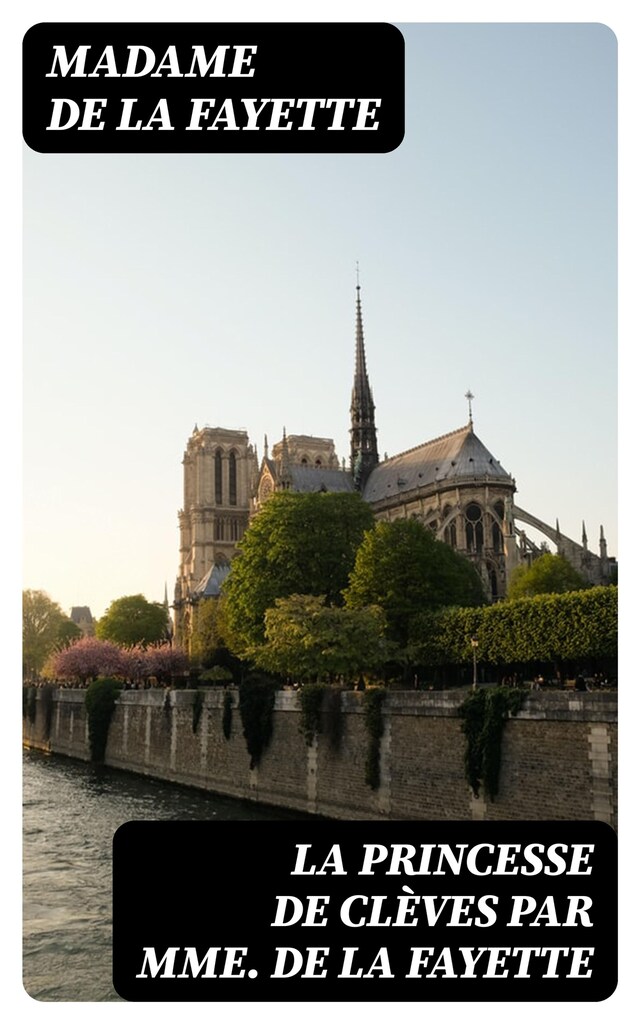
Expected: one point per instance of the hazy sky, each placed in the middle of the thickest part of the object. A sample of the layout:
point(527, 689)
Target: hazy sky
point(163, 291)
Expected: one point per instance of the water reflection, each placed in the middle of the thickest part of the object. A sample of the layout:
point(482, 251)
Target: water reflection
point(71, 811)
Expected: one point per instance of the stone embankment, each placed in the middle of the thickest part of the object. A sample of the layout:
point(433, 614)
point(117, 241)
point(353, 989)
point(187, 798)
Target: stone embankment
point(559, 754)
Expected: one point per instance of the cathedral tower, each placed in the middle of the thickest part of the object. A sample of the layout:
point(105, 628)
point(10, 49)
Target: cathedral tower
point(364, 446)
point(220, 474)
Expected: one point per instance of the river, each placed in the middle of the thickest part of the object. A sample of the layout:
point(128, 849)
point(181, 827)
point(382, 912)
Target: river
point(71, 811)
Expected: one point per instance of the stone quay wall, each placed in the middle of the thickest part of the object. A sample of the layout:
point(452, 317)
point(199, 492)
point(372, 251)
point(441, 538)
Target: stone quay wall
point(559, 754)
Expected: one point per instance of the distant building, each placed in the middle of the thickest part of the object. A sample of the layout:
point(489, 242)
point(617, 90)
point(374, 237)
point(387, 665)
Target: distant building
point(452, 484)
point(82, 617)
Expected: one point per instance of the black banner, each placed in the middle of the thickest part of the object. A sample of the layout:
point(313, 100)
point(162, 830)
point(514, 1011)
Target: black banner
point(364, 911)
point(213, 88)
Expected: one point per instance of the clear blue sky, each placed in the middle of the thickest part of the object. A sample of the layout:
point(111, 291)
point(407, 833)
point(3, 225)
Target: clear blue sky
point(161, 291)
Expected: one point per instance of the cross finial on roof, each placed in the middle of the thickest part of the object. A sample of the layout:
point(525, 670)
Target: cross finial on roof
point(469, 397)
point(358, 274)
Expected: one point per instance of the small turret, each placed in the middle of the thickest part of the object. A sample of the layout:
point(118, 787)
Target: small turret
point(285, 464)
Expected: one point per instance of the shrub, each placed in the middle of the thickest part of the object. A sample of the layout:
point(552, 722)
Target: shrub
point(548, 628)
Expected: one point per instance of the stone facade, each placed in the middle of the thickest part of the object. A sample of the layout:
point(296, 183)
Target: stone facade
point(302, 464)
point(220, 476)
point(459, 491)
point(559, 754)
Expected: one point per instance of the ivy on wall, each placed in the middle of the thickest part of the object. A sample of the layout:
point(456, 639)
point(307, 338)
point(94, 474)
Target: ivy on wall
point(29, 703)
point(333, 719)
point(227, 714)
point(196, 710)
point(100, 701)
point(484, 713)
point(373, 700)
point(311, 698)
point(257, 698)
point(46, 698)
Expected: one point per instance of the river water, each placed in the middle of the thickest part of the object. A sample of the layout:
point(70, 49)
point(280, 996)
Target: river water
point(71, 811)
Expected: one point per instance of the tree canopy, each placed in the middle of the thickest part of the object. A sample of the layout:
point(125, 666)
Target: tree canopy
point(403, 569)
point(208, 631)
point(548, 574)
point(308, 640)
point(545, 628)
point(89, 658)
point(297, 544)
point(45, 627)
point(133, 620)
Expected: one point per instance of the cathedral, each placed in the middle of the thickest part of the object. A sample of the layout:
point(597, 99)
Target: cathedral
point(452, 483)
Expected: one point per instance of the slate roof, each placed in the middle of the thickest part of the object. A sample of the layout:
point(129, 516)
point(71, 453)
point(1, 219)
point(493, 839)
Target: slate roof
point(81, 613)
point(211, 583)
point(452, 458)
point(308, 479)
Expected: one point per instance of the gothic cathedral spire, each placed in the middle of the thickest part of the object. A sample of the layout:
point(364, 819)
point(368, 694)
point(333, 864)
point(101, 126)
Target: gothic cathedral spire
point(364, 446)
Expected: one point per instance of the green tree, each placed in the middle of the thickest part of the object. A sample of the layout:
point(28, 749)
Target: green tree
point(133, 620)
point(208, 644)
point(298, 544)
point(68, 633)
point(403, 569)
point(548, 574)
point(45, 628)
point(308, 640)
point(208, 636)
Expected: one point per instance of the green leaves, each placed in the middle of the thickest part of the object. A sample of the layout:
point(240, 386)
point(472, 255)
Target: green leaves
point(44, 628)
point(544, 628)
point(402, 568)
point(297, 544)
point(133, 620)
point(548, 574)
point(305, 639)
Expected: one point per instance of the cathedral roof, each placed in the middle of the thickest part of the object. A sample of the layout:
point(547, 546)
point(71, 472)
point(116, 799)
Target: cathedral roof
point(80, 613)
point(455, 457)
point(307, 479)
point(211, 583)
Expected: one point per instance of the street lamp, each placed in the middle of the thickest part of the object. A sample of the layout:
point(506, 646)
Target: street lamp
point(474, 648)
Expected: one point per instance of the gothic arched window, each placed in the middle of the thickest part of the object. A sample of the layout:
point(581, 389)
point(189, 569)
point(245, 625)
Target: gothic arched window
point(266, 487)
point(233, 480)
point(217, 473)
point(473, 528)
